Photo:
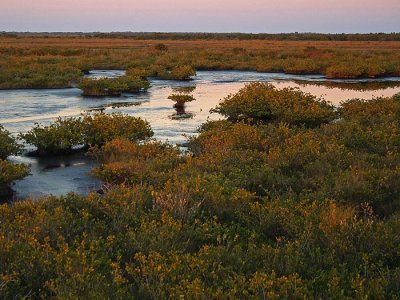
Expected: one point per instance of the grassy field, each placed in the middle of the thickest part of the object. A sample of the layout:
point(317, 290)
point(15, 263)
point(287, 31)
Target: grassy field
point(39, 62)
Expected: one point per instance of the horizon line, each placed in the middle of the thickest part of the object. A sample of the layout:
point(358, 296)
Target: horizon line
point(203, 32)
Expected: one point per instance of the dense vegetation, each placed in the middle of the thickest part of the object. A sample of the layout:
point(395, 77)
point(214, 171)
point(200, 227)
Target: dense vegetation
point(37, 62)
point(102, 128)
point(270, 208)
point(9, 172)
point(8, 144)
point(67, 134)
point(182, 73)
point(113, 86)
point(263, 102)
point(56, 138)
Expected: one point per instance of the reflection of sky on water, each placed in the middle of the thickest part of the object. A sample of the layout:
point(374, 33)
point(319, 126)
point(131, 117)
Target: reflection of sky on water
point(20, 109)
point(56, 175)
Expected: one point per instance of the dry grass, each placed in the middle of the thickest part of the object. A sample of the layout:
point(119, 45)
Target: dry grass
point(215, 44)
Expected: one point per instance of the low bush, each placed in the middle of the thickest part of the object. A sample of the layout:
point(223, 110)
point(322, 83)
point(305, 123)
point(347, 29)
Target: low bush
point(102, 128)
point(101, 87)
point(127, 162)
point(182, 73)
point(263, 102)
point(65, 134)
point(347, 70)
point(161, 47)
point(9, 173)
point(181, 99)
point(57, 138)
point(134, 84)
point(113, 86)
point(8, 144)
point(379, 109)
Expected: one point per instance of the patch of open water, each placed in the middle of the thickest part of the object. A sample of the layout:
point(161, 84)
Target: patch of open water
point(20, 109)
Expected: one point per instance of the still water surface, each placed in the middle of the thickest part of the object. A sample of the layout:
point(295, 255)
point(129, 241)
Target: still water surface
point(20, 109)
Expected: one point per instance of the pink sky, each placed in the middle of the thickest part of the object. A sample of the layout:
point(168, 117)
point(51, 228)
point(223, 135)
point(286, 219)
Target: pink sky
point(205, 15)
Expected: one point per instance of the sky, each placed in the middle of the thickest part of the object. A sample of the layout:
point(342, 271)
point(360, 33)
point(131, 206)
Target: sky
point(270, 16)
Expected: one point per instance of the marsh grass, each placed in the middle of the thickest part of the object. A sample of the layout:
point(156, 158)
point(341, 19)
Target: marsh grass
point(59, 62)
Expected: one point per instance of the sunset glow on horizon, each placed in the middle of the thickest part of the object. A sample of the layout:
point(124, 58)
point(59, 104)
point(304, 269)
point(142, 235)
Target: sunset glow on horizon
point(201, 16)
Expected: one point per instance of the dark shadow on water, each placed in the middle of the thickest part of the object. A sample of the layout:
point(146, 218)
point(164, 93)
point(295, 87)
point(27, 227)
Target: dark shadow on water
point(184, 89)
point(56, 166)
point(181, 114)
point(57, 175)
point(7, 194)
point(355, 86)
point(66, 153)
point(115, 105)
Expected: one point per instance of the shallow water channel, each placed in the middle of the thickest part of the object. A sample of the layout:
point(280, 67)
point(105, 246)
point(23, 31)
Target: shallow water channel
point(20, 109)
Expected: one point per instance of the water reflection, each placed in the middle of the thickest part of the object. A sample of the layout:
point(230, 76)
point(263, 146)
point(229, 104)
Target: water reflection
point(113, 105)
point(105, 73)
point(357, 86)
point(20, 109)
point(56, 175)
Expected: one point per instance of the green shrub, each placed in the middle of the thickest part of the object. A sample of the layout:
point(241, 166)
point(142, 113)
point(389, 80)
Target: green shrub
point(181, 99)
point(8, 144)
point(101, 87)
point(9, 173)
point(91, 130)
point(182, 73)
point(158, 71)
point(263, 102)
point(161, 47)
point(128, 162)
point(346, 70)
point(56, 138)
point(102, 128)
point(367, 111)
point(138, 72)
point(134, 84)
point(113, 86)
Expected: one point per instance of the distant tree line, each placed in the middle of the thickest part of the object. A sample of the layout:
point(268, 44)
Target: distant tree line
point(296, 36)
